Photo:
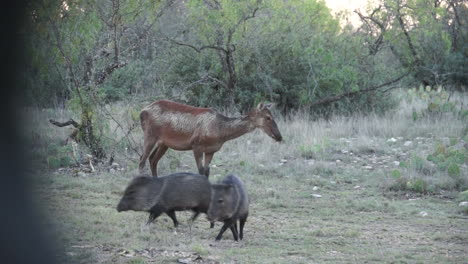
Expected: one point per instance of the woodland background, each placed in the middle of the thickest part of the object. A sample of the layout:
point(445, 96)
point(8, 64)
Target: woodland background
point(374, 163)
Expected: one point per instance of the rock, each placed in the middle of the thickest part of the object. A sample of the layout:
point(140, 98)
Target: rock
point(357, 187)
point(396, 163)
point(463, 204)
point(115, 165)
point(407, 143)
point(392, 140)
point(315, 188)
point(338, 161)
point(184, 260)
point(81, 174)
point(367, 167)
point(316, 195)
point(423, 213)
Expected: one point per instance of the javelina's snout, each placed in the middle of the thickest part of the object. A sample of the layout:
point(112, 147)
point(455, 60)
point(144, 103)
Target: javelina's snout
point(122, 206)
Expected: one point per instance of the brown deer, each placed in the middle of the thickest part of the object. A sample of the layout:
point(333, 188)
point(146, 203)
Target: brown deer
point(168, 124)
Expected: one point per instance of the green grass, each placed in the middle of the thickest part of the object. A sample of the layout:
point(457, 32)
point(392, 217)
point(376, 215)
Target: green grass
point(362, 216)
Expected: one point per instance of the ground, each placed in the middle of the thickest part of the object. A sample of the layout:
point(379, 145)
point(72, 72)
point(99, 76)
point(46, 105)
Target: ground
point(329, 193)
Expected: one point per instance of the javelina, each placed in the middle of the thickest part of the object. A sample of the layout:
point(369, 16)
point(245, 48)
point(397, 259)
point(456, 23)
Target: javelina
point(229, 203)
point(175, 192)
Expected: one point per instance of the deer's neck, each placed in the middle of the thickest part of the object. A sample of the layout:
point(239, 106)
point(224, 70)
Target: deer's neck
point(232, 128)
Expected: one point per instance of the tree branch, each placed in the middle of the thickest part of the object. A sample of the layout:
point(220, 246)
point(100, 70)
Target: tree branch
point(195, 48)
point(101, 77)
point(63, 124)
point(335, 98)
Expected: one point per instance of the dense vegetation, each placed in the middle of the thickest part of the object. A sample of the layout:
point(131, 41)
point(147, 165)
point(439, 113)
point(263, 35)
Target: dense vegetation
point(373, 116)
point(218, 53)
point(214, 52)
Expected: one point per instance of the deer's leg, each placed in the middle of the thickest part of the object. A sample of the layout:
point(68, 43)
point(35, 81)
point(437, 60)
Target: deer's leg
point(208, 158)
point(148, 146)
point(155, 157)
point(198, 159)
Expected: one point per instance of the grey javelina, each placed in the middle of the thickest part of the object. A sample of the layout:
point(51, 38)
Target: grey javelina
point(229, 203)
point(175, 192)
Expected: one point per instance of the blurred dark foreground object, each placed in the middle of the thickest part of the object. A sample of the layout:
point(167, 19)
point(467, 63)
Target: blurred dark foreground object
point(22, 238)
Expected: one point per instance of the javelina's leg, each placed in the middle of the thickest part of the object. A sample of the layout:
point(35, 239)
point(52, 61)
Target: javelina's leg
point(172, 215)
point(155, 157)
point(241, 227)
point(226, 225)
point(208, 158)
point(195, 215)
point(234, 232)
point(211, 224)
point(155, 212)
point(198, 159)
point(148, 146)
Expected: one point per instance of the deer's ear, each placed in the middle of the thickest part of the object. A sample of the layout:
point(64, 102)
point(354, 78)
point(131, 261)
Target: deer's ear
point(269, 106)
point(260, 106)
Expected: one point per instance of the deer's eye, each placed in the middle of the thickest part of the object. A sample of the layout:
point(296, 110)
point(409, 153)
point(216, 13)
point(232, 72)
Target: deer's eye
point(268, 118)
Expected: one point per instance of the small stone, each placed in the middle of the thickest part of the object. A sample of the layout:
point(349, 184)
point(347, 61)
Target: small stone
point(407, 143)
point(357, 187)
point(213, 165)
point(396, 163)
point(423, 213)
point(315, 188)
point(316, 195)
point(115, 165)
point(283, 161)
point(338, 161)
point(81, 174)
point(464, 203)
point(392, 140)
point(367, 167)
point(184, 260)
point(111, 170)
point(344, 151)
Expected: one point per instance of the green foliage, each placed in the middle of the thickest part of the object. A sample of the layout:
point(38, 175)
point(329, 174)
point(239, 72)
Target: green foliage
point(404, 184)
point(442, 170)
point(57, 156)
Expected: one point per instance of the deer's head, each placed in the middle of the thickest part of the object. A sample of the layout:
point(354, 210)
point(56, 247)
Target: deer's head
point(262, 118)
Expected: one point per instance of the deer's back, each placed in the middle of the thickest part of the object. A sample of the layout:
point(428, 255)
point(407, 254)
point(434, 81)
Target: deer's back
point(177, 117)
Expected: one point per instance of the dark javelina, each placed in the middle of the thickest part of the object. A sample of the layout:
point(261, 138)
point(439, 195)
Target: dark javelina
point(229, 203)
point(175, 192)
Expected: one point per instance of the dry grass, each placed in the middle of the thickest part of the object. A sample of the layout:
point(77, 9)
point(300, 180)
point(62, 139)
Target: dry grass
point(348, 161)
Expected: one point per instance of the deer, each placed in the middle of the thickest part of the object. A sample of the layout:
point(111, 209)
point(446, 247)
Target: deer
point(167, 124)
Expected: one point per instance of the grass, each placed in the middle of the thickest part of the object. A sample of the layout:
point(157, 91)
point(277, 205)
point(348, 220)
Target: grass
point(362, 214)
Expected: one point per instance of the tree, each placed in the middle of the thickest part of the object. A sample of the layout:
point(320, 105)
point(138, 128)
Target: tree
point(88, 38)
point(427, 37)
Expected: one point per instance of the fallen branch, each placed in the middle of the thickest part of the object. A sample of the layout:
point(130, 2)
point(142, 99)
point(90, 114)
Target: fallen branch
point(63, 124)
